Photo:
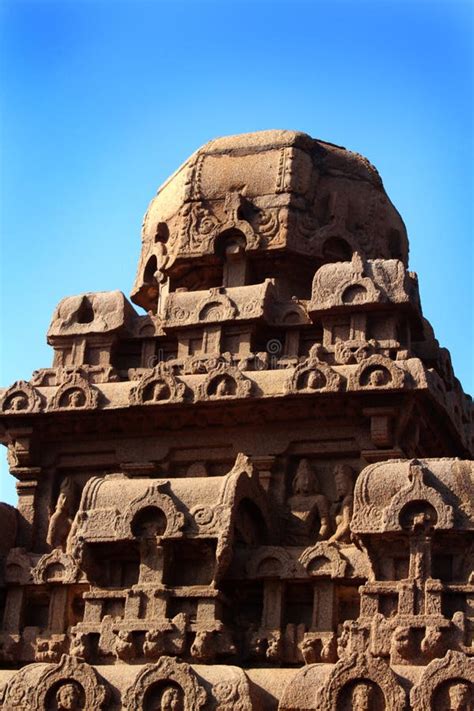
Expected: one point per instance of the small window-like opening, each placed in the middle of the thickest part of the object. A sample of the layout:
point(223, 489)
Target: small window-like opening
point(348, 603)
point(310, 337)
point(451, 603)
point(85, 313)
point(395, 244)
point(189, 562)
point(75, 609)
point(247, 604)
point(249, 524)
point(229, 243)
point(113, 565)
point(128, 354)
point(150, 269)
point(418, 516)
point(388, 604)
point(299, 604)
point(149, 522)
point(443, 567)
point(336, 249)
point(37, 611)
point(114, 608)
point(182, 606)
point(401, 565)
point(162, 233)
point(230, 248)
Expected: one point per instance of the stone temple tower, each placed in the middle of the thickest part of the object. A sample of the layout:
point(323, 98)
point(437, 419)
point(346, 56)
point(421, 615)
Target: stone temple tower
point(257, 493)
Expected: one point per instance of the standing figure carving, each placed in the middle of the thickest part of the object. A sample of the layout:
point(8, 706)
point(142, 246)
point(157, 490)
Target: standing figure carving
point(342, 508)
point(61, 521)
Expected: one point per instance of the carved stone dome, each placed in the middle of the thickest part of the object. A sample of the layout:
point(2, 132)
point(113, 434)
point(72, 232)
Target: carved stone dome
point(266, 194)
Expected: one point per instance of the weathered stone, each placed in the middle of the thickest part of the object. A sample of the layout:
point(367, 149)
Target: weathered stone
point(259, 495)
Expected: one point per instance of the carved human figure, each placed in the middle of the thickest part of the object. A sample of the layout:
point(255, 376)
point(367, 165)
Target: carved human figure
point(312, 380)
point(160, 391)
point(75, 398)
point(61, 521)
point(377, 378)
point(459, 697)
point(362, 697)
point(17, 402)
point(170, 700)
point(224, 387)
point(68, 697)
point(307, 502)
point(342, 508)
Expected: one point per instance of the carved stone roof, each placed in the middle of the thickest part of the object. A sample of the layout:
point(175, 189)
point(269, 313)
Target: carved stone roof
point(331, 567)
point(279, 190)
point(384, 492)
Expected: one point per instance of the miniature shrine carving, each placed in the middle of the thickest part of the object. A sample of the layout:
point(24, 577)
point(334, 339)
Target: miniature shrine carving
point(257, 493)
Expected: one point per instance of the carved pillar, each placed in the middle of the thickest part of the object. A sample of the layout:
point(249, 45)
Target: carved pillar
point(211, 339)
point(151, 561)
point(13, 614)
point(264, 467)
point(57, 608)
point(206, 612)
point(420, 566)
point(272, 604)
point(27, 489)
point(235, 265)
point(92, 610)
point(407, 597)
point(292, 342)
point(381, 425)
point(158, 604)
point(133, 603)
point(323, 606)
point(148, 356)
point(433, 597)
point(368, 602)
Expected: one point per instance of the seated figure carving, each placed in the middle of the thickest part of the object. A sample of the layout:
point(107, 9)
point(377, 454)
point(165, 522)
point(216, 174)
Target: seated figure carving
point(308, 505)
point(170, 701)
point(68, 697)
point(362, 697)
point(167, 699)
point(459, 697)
point(17, 402)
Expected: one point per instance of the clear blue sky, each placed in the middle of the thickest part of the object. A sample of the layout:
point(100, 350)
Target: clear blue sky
point(101, 101)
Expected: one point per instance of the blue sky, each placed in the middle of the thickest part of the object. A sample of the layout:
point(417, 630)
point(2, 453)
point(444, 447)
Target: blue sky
point(101, 101)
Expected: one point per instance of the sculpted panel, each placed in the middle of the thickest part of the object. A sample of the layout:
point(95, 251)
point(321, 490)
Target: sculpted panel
point(74, 393)
point(446, 684)
point(167, 685)
point(224, 382)
point(156, 387)
point(364, 683)
point(22, 398)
